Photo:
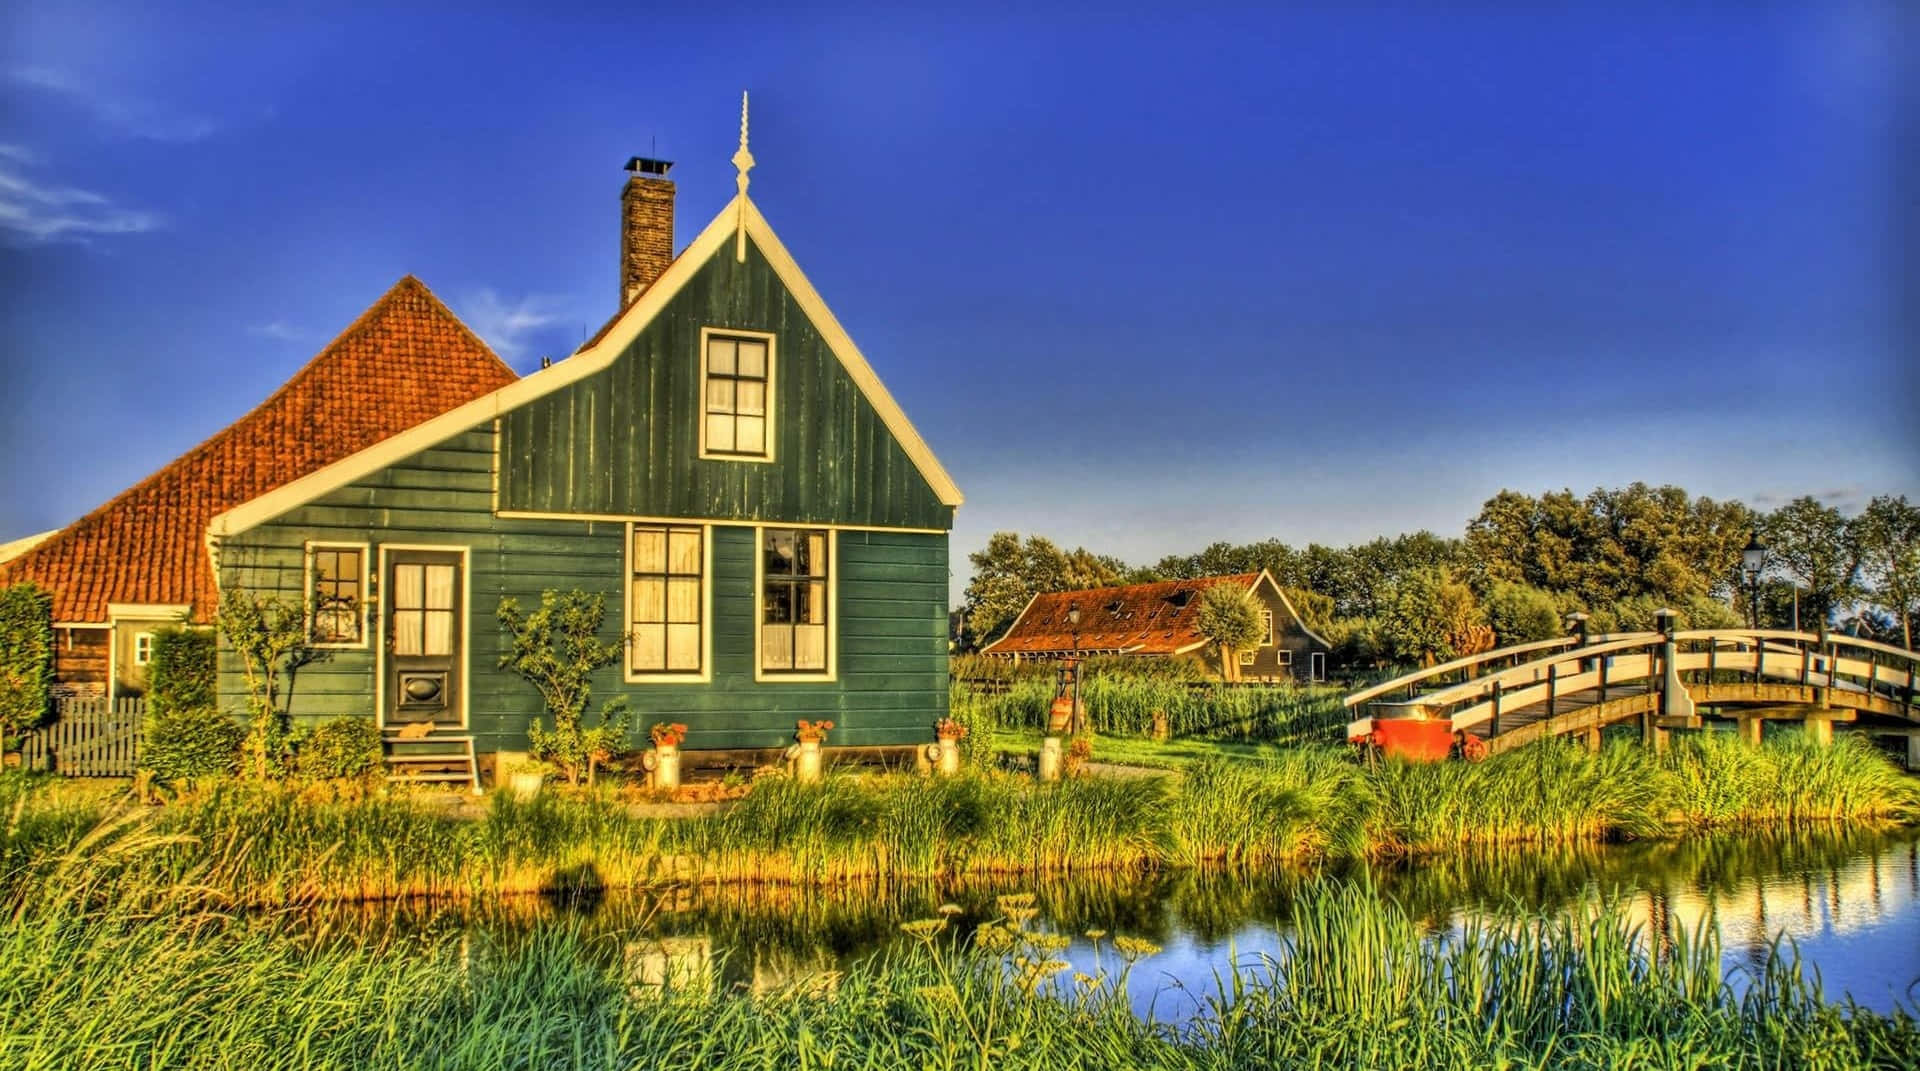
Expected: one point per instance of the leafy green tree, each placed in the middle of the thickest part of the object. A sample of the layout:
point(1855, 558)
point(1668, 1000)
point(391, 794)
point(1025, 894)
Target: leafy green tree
point(1887, 535)
point(26, 658)
point(1315, 609)
point(1521, 613)
point(1008, 572)
point(557, 647)
point(1431, 616)
point(1818, 550)
point(269, 636)
point(1229, 618)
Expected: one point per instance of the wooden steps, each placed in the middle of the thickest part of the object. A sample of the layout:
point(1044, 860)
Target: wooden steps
point(415, 754)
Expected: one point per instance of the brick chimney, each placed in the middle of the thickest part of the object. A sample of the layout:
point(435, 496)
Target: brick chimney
point(646, 226)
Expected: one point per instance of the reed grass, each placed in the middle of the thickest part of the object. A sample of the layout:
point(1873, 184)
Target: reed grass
point(260, 845)
point(114, 976)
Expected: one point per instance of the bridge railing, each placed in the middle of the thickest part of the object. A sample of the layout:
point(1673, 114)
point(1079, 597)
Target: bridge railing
point(1630, 664)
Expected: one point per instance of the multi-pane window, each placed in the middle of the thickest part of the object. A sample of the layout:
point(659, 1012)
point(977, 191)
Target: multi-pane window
point(793, 600)
point(668, 562)
point(1266, 621)
point(1246, 658)
point(423, 608)
point(142, 648)
point(338, 575)
point(736, 403)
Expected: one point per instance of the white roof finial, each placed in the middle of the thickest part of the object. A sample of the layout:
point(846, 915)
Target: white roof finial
point(742, 159)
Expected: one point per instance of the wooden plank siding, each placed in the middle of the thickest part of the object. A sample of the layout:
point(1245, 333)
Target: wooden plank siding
point(625, 440)
point(891, 590)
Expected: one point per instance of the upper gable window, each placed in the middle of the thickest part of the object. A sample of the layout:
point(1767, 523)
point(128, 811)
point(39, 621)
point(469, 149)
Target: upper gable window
point(736, 390)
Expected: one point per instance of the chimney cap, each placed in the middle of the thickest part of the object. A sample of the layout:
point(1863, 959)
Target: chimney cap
point(645, 166)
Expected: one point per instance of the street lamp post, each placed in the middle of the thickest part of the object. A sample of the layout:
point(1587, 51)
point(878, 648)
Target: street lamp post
point(1753, 560)
point(1073, 621)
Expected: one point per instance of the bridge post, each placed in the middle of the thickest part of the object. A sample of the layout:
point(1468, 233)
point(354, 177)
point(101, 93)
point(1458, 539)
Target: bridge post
point(1819, 729)
point(1553, 687)
point(1493, 729)
point(1751, 729)
point(1591, 738)
point(1650, 732)
point(1913, 753)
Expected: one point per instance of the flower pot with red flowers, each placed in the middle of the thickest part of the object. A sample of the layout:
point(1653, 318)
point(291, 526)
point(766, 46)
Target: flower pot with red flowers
point(663, 762)
point(806, 761)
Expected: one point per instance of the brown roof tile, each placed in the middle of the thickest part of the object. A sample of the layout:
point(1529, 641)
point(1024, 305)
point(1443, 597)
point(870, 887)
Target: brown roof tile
point(1151, 619)
point(405, 360)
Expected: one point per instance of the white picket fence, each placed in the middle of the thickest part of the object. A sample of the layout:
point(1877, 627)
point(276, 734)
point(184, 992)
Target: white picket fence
point(89, 738)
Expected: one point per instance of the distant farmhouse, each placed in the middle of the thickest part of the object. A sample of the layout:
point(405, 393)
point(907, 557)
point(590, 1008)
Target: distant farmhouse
point(1161, 619)
point(719, 462)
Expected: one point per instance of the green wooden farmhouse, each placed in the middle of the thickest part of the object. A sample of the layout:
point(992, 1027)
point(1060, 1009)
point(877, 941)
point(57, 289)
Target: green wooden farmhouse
point(720, 463)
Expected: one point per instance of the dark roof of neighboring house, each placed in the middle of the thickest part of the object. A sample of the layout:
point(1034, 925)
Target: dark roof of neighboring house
point(1147, 619)
point(405, 360)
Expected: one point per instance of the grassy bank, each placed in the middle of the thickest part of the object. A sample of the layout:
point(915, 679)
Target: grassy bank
point(254, 845)
point(1361, 985)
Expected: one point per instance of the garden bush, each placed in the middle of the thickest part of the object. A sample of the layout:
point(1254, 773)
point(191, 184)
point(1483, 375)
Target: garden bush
point(190, 743)
point(181, 674)
point(340, 749)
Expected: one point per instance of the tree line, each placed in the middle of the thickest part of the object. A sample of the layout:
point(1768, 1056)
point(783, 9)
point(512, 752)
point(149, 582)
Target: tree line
point(1523, 565)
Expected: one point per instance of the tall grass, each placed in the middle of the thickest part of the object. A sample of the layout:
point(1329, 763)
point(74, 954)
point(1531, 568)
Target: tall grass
point(264, 846)
point(1126, 704)
point(97, 980)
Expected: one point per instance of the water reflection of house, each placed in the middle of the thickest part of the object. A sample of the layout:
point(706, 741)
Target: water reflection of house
point(678, 964)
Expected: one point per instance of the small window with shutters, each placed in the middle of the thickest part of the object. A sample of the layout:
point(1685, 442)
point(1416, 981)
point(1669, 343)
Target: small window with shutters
point(667, 601)
point(736, 396)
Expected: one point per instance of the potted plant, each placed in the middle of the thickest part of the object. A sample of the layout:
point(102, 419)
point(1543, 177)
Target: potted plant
point(806, 761)
point(948, 733)
point(663, 762)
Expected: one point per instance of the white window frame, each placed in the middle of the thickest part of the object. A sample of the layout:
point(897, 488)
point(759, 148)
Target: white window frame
point(705, 675)
point(142, 648)
point(1266, 617)
point(1283, 656)
point(1246, 656)
point(1317, 666)
point(779, 676)
point(366, 590)
point(700, 402)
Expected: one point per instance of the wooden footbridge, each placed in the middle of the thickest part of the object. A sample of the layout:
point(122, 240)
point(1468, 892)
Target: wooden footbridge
point(1660, 681)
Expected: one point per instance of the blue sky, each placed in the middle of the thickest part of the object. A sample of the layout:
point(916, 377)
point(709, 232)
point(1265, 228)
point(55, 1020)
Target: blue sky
point(1142, 281)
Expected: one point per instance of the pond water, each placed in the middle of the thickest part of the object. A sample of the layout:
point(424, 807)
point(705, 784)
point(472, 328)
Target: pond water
point(1849, 902)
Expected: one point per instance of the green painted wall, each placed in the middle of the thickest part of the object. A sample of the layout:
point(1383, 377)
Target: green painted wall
point(625, 440)
point(891, 638)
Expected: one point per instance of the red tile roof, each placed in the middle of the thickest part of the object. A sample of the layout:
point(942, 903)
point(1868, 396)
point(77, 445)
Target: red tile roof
point(405, 360)
point(1148, 619)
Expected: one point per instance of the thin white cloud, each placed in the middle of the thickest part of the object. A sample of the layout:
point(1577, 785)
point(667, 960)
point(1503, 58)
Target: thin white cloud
point(19, 154)
point(279, 330)
point(39, 212)
point(507, 325)
point(130, 116)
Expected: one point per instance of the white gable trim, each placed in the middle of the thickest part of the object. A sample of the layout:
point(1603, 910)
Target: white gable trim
point(601, 354)
point(1288, 603)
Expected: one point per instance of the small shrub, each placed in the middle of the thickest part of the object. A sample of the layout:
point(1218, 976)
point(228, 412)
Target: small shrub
point(192, 743)
point(181, 675)
point(341, 749)
point(26, 657)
